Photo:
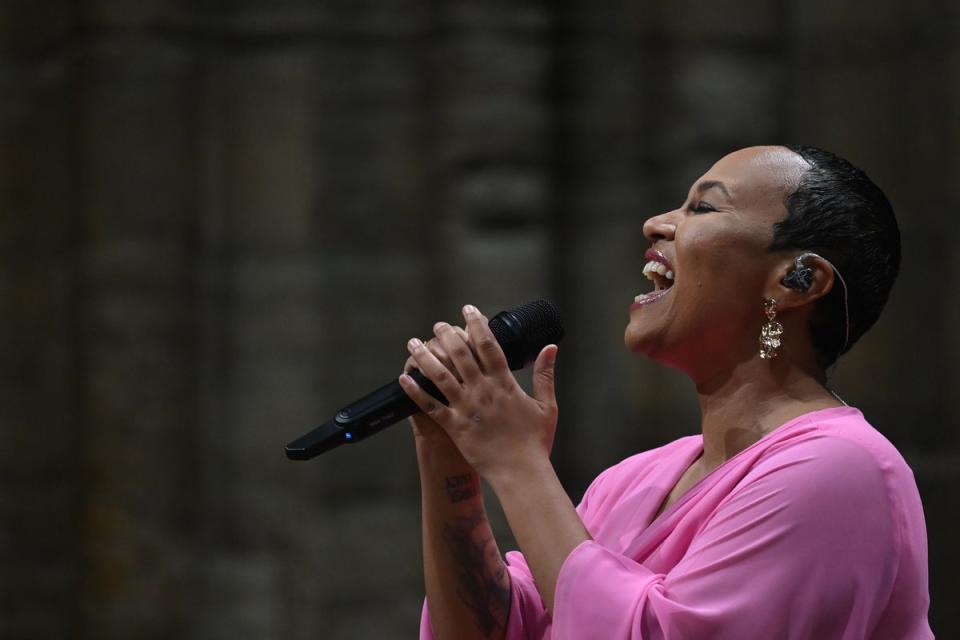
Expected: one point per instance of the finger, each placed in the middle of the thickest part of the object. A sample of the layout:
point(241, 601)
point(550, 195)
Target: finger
point(429, 405)
point(435, 370)
point(459, 351)
point(485, 344)
point(436, 349)
point(544, 376)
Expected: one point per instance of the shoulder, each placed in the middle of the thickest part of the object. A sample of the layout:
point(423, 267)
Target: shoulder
point(833, 466)
point(841, 446)
point(824, 506)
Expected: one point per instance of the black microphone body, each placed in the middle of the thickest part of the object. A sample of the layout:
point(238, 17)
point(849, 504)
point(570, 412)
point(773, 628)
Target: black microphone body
point(521, 332)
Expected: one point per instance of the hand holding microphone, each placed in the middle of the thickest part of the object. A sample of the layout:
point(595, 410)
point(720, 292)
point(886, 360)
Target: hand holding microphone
point(521, 334)
point(490, 418)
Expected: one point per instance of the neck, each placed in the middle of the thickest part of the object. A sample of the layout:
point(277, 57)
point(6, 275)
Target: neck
point(741, 406)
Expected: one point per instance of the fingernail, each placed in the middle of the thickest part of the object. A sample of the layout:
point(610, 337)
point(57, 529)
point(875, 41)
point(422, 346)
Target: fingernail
point(551, 356)
point(414, 344)
point(469, 309)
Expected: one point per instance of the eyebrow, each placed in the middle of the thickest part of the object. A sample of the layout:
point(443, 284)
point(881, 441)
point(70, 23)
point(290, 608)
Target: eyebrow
point(706, 185)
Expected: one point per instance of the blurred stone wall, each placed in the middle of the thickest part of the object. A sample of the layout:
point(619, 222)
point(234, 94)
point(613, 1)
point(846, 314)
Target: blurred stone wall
point(220, 220)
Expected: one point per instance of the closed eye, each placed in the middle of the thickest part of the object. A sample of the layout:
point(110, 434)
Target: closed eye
point(702, 207)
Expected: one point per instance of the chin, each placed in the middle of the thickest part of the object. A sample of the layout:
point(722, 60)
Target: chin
point(655, 347)
point(637, 341)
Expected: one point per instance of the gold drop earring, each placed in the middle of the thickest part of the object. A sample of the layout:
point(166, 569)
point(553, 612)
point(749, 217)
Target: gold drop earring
point(771, 331)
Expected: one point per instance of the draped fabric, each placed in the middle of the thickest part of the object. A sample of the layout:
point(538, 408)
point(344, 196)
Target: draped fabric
point(815, 531)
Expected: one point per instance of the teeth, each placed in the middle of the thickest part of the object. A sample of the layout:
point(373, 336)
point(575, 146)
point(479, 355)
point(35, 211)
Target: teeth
point(642, 297)
point(657, 267)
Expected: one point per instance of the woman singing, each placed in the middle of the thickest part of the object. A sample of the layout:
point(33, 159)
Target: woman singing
point(788, 516)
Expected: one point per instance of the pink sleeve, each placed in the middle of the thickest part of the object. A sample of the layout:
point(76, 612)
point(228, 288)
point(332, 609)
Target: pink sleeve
point(805, 547)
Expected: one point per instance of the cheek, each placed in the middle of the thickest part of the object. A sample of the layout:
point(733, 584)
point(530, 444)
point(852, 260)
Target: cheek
point(706, 256)
point(720, 261)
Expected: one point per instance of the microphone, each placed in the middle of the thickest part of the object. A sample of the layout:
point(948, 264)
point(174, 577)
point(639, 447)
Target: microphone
point(522, 333)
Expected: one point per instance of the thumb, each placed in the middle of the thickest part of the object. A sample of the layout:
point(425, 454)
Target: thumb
point(544, 389)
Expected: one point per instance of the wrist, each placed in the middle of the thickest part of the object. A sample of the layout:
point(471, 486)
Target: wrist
point(439, 459)
point(436, 448)
point(511, 478)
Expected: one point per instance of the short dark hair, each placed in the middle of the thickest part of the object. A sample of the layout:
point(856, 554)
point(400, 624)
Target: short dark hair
point(838, 212)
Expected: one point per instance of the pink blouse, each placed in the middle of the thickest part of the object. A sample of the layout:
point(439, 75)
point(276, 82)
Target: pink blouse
point(815, 531)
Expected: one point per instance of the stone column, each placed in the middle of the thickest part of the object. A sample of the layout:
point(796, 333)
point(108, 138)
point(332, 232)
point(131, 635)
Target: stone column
point(41, 422)
point(140, 444)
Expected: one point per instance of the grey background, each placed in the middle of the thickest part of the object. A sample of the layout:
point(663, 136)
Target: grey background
point(220, 220)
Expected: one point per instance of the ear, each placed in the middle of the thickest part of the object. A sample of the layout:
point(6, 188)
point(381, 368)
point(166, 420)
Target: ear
point(820, 277)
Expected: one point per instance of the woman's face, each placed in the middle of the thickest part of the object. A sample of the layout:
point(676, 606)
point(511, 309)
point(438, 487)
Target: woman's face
point(708, 317)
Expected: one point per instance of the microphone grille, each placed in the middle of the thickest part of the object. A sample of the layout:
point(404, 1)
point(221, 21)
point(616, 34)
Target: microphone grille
point(540, 322)
point(523, 331)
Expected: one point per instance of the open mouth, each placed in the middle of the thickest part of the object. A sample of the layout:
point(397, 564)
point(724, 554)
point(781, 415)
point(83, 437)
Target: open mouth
point(659, 271)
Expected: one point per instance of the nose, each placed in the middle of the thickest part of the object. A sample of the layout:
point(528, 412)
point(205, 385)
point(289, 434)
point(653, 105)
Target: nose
point(660, 227)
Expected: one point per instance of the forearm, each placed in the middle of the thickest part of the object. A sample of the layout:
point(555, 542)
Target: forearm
point(543, 520)
point(467, 583)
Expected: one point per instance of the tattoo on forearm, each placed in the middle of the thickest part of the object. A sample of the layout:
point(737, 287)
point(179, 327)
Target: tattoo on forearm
point(484, 584)
point(462, 487)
